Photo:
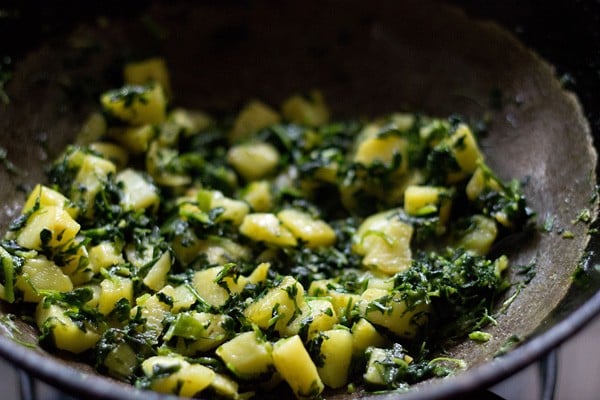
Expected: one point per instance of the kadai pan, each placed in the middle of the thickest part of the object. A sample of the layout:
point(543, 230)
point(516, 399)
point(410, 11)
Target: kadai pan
point(368, 59)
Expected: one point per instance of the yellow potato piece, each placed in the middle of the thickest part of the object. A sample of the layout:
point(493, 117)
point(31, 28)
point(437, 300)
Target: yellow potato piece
point(396, 315)
point(336, 351)
point(311, 112)
point(186, 380)
point(44, 196)
point(246, 355)
point(253, 161)
point(277, 306)
point(266, 227)
point(384, 241)
point(294, 364)
point(136, 104)
point(40, 274)
point(312, 232)
point(49, 227)
point(253, 117)
point(67, 335)
point(112, 290)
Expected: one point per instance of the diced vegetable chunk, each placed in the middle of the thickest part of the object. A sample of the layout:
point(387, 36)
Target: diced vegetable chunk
point(65, 333)
point(43, 196)
point(390, 311)
point(315, 315)
point(277, 306)
point(425, 200)
point(253, 117)
point(336, 351)
point(137, 105)
point(310, 111)
point(312, 232)
point(253, 161)
point(156, 277)
point(114, 289)
point(247, 356)
point(174, 375)
point(198, 331)
point(382, 149)
point(49, 227)
point(138, 193)
point(480, 235)
point(365, 335)
point(384, 241)
point(294, 364)
point(266, 227)
point(205, 283)
point(39, 274)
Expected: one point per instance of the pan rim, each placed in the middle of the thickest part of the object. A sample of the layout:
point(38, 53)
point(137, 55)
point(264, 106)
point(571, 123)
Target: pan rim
point(481, 377)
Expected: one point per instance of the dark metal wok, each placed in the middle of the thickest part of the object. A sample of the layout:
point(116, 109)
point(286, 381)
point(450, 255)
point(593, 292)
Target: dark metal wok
point(368, 59)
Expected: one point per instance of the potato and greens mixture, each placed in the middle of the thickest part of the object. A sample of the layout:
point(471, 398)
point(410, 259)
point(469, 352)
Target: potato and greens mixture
point(273, 248)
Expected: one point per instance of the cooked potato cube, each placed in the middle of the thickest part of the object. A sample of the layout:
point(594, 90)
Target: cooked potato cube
point(227, 388)
point(233, 210)
point(156, 277)
point(277, 306)
point(153, 311)
point(174, 375)
point(43, 196)
point(343, 302)
point(424, 200)
point(49, 227)
point(383, 364)
point(112, 152)
point(316, 315)
point(375, 372)
point(480, 236)
point(466, 152)
point(373, 148)
point(135, 139)
point(258, 195)
point(312, 232)
point(93, 173)
point(113, 289)
point(365, 335)
point(384, 241)
point(93, 129)
point(66, 334)
point(266, 227)
point(217, 250)
point(247, 356)
point(307, 111)
point(389, 310)
point(192, 121)
point(40, 274)
point(104, 255)
point(121, 361)
point(336, 351)
point(182, 295)
point(137, 105)
point(138, 192)
point(158, 158)
point(294, 364)
point(211, 292)
point(198, 331)
point(254, 160)
point(252, 118)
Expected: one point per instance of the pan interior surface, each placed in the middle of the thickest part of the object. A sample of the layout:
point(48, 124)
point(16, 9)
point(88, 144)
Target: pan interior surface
point(367, 60)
